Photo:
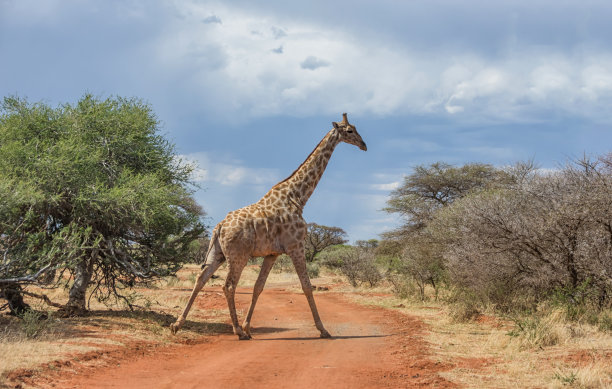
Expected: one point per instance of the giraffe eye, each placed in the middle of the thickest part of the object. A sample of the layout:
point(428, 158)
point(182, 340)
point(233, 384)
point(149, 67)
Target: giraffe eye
point(350, 131)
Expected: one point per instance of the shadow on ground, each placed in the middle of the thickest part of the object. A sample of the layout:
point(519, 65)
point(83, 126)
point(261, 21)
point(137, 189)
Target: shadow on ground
point(332, 338)
point(15, 329)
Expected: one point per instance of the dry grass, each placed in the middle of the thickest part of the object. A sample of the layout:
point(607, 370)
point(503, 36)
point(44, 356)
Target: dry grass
point(19, 352)
point(492, 352)
point(250, 273)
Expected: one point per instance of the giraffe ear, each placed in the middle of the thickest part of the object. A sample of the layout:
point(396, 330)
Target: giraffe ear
point(335, 124)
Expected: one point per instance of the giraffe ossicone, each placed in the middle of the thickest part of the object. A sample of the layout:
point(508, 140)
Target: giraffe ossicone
point(268, 228)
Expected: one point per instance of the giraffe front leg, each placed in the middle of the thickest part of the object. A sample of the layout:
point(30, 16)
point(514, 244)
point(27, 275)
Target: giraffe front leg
point(259, 285)
point(299, 262)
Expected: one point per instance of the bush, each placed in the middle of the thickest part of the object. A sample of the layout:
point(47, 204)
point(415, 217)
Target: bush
point(465, 305)
point(283, 264)
point(34, 323)
point(403, 287)
point(546, 235)
point(369, 273)
point(256, 261)
point(359, 267)
point(573, 300)
point(464, 311)
point(605, 322)
point(420, 259)
point(313, 269)
point(536, 331)
point(332, 256)
point(358, 264)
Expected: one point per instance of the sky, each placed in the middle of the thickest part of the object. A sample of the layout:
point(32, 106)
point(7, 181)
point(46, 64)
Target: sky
point(246, 89)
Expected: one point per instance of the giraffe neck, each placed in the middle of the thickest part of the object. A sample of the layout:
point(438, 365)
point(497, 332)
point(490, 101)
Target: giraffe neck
point(297, 188)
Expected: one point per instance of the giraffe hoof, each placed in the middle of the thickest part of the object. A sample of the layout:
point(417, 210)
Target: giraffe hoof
point(244, 337)
point(325, 334)
point(247, 329)
point(174, 328)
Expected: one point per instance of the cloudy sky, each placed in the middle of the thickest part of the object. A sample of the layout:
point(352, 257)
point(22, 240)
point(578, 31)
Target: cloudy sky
point(247, 88)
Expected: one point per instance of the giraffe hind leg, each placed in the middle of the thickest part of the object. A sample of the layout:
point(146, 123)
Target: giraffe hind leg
point(212, 264)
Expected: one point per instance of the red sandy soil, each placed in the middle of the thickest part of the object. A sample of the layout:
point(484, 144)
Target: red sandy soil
point(585, 357)
point(371, 348)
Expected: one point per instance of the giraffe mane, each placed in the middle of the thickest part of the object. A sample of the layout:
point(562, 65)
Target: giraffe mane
point(302, 164)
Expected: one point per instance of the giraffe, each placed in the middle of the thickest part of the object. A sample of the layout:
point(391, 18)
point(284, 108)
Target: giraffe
point(268, 228)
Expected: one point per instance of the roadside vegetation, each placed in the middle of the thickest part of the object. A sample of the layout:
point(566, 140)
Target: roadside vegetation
point(515, 262)
point(518, 241)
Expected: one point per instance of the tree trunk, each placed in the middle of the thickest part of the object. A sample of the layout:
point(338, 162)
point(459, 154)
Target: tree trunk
point(603, 298)
point(421, 285)
point(12, 294)
point(433, 284)
point(77, 297)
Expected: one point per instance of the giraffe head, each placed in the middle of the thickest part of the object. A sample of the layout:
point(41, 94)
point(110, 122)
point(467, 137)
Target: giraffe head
point(348, 133)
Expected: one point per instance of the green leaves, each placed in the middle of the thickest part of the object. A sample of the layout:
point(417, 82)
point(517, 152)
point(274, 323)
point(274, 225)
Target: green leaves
point(91, 181)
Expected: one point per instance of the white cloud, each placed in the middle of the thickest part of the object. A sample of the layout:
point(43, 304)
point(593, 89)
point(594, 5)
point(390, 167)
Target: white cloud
point(386, 182)
point(262, 65)
point(485, 83)
point(32, 11)
point(597, 80)
point(548, 79)
point(213, 169)
point(386, 187)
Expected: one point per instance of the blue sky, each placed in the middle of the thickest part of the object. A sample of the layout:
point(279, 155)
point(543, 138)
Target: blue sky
point(246, 89)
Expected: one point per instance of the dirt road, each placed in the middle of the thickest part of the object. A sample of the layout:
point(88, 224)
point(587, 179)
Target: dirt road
point(371, 348)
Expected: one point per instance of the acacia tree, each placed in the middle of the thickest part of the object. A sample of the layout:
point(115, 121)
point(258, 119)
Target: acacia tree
point(432, 187)
point(368, 245)
point(422, 195)
point(92, 190)
point(319, 237)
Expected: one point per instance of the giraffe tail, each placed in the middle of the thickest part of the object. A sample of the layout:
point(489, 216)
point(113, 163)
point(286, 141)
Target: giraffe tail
point(214, 248)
